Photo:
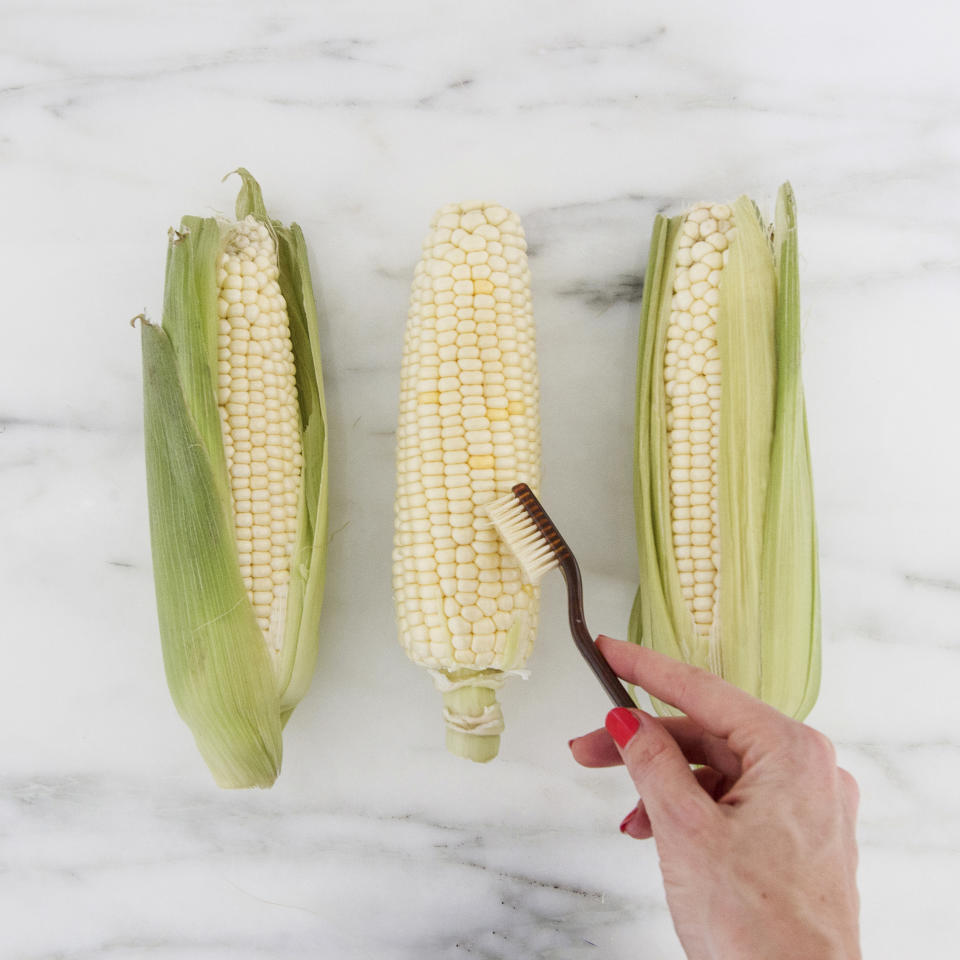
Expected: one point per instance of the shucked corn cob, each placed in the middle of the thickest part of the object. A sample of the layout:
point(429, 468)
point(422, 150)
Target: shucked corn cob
point(723, 490)
point(235, 439)
point(468, 430)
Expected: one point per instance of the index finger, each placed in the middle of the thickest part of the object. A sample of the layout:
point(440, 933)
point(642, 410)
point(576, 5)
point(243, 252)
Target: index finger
point(719, 707)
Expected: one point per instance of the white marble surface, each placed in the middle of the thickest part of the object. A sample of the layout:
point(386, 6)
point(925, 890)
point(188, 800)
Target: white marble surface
point(359, 119)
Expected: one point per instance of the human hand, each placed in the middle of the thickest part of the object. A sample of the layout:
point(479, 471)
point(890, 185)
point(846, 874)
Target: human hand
point(757, 847)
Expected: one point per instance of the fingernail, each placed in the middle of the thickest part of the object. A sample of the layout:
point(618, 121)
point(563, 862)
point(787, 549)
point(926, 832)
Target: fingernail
point(570, 742)
point(622, 724)
point(626, 820)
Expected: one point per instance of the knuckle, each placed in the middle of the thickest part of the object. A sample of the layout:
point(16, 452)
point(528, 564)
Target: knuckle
point(650, 757)
point(811, 748)
point(821, 748)
point(850, 787)
point(653, 752)
point(751, 731)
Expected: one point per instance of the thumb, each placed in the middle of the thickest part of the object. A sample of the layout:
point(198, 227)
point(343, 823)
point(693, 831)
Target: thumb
point(674, 800)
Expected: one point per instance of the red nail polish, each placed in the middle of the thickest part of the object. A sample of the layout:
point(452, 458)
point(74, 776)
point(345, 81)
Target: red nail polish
point(570, 742)
point(622, 724)
point(626, 820)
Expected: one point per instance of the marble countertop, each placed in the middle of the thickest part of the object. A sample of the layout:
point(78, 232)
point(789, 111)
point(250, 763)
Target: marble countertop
point(359, 119)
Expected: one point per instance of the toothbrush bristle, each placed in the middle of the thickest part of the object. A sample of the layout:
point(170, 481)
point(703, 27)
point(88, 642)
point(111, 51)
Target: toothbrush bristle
point(523, 536)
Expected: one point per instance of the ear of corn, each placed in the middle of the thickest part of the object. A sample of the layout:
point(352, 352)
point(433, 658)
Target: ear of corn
point(468, 430)
point(723, 487)
point(235, 440)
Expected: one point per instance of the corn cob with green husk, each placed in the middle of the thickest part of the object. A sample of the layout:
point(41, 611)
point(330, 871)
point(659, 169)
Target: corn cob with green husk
point(235, 438)
point(468, 430)
point(723, 488)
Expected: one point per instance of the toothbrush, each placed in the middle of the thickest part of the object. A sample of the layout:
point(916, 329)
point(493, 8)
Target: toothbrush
point(524, 526)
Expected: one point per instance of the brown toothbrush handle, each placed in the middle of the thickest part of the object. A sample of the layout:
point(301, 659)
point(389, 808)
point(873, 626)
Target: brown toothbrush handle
point(578, 627)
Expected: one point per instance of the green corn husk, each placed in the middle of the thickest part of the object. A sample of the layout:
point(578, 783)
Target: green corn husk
point(767, 639)
point(233, 694)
